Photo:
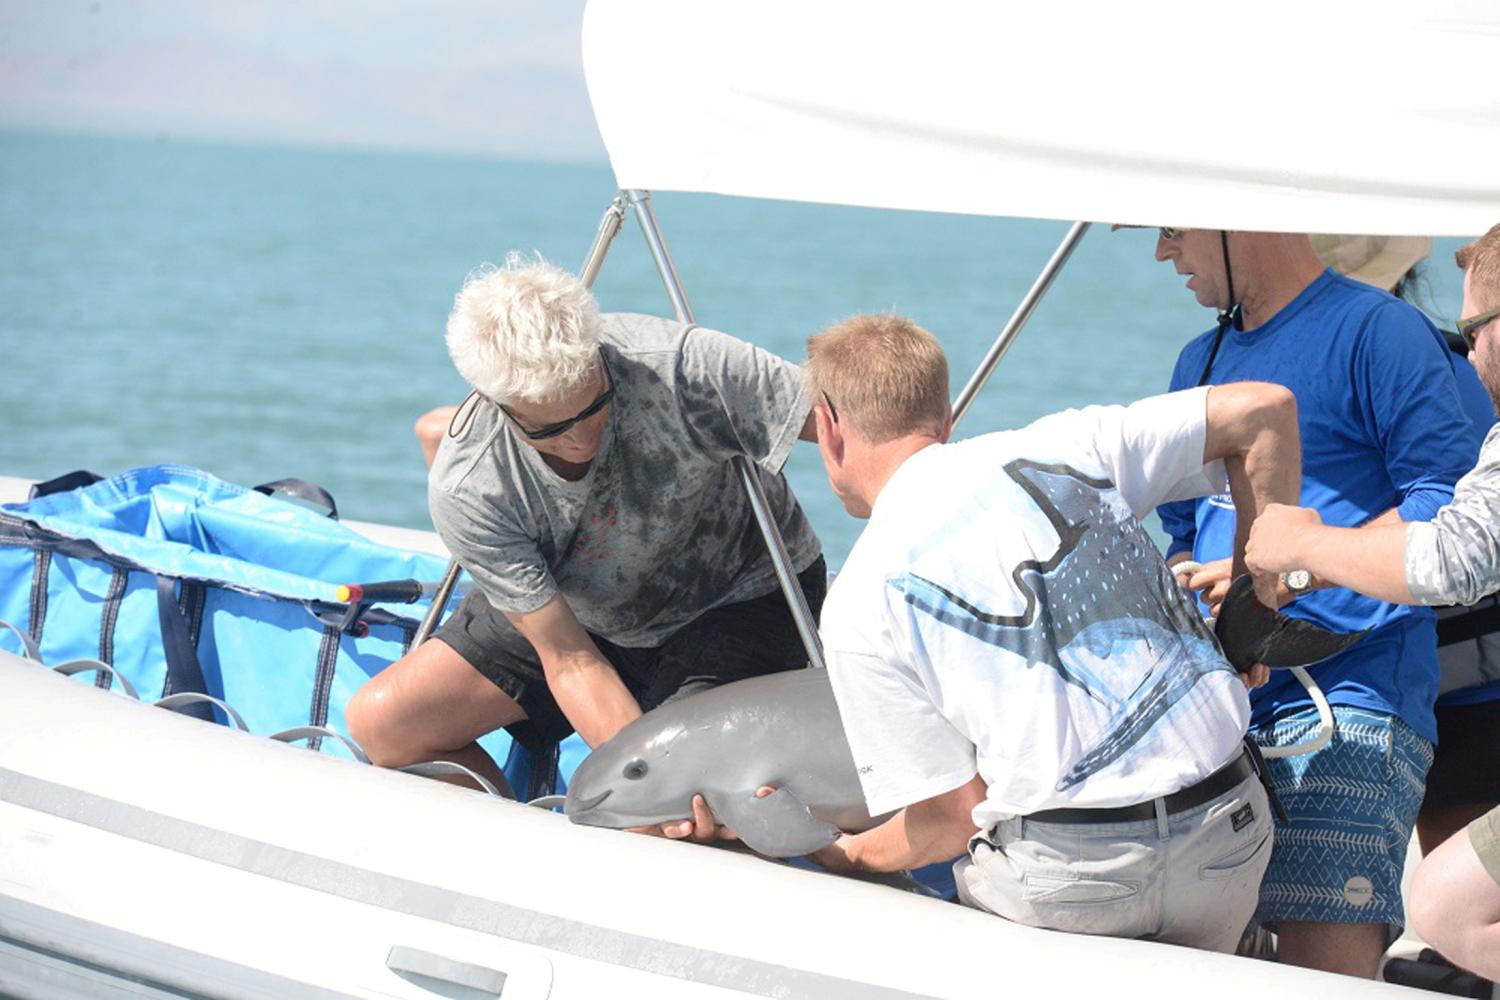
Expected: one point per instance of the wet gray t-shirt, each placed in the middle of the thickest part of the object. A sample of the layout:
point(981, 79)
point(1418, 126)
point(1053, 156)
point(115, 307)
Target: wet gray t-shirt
point(660, 529)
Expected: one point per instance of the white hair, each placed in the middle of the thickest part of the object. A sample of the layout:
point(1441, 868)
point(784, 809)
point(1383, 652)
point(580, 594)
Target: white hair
point(525, 331)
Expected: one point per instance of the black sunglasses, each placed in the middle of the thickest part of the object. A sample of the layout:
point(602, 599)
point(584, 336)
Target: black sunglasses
point(1469, 328)
point(563, 426)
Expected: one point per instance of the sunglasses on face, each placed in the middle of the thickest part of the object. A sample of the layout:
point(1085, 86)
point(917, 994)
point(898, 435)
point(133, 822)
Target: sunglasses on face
point(1469, 328)
point(563, 426)
point(832, 410)
point(1170, 233)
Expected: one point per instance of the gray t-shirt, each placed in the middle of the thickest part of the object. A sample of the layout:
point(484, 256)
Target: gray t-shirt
point(660, 529)
point(1455, 557)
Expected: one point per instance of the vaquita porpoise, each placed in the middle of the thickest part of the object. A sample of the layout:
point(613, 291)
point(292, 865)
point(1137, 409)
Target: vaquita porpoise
point(783, 731)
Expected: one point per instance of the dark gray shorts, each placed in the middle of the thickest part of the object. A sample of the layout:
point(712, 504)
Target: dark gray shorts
point(726, 644)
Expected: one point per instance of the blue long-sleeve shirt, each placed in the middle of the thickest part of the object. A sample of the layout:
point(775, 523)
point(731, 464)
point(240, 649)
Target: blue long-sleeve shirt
point(1382, 426)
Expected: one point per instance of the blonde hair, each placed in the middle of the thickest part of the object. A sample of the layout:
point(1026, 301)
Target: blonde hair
point(525, 331)
point(1482, 260)
point(884, 374)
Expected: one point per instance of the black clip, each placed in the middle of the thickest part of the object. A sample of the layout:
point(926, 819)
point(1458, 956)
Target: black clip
point(347, 618)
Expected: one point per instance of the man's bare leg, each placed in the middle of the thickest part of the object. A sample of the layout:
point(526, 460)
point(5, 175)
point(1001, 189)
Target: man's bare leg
point(1455, 907)
point(1348, 949)
point(431, 705)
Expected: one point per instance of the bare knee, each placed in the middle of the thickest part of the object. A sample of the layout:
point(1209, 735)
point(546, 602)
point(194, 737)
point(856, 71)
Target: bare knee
point(1425, 905)
point(370, 716)
point(1450, 902)
point(430, 428)
point(427, 705)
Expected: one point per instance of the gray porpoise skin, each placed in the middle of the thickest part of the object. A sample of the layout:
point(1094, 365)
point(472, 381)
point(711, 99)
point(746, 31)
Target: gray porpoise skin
point(780, 730)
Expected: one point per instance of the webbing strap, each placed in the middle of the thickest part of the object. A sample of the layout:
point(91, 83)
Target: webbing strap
point(40, 569)
point(184, 672)
point(544, 772)
point(328, 657)
point(108, 617)
point(68, 481)
point(1462, 626)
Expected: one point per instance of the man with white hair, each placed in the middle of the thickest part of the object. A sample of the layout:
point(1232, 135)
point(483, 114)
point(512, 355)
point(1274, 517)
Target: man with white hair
point(588, 487)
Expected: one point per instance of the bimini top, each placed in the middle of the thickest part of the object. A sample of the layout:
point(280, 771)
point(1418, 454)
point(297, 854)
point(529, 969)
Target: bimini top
point(1313, 116)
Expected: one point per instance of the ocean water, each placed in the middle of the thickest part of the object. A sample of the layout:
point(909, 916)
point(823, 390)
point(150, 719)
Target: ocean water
point(265, 312)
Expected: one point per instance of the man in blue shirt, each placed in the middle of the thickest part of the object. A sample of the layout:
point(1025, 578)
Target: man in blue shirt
point(1455, 894)
point(1384, 439)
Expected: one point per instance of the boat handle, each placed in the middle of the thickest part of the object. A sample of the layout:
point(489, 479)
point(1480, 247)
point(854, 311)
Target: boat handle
point(28, 647)
point(297, 733)
point(86, 665)
point(406, 961)
point(437, 768)
point(176, 702)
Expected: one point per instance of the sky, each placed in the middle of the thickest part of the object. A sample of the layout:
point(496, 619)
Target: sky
point(499, 77)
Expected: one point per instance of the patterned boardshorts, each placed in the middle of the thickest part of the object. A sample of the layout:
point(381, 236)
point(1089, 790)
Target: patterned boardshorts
point(1352, 807)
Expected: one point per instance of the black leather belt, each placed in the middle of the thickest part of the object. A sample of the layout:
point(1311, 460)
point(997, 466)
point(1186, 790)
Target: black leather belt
point(1211, 787)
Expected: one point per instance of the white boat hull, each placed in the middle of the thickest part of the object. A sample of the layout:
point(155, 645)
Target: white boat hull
point(145, 847)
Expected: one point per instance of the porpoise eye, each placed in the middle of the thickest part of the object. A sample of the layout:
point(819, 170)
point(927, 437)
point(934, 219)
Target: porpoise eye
point(635, 770)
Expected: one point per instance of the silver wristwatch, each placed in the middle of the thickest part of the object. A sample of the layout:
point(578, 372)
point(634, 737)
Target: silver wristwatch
point(1298, 581)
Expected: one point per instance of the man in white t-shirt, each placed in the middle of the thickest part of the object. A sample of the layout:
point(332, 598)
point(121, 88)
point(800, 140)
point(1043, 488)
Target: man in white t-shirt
point(1017, 671)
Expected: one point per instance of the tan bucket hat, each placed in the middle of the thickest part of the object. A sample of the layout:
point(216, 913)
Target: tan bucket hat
point(1376, 260)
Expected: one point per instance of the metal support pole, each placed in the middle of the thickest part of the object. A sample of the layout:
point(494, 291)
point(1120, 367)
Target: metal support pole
point(641, 202)
point(781, 560)
point(609, 228)
point(1018, 319)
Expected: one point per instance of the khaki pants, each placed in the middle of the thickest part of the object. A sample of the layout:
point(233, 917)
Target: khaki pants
point(1190, 878)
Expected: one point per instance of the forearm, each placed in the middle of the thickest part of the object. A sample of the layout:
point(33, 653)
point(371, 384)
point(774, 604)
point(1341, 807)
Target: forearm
point(590, 693)
point(937, 829)
point(1253, 428)
point(1268, 471)
point(1369, 560)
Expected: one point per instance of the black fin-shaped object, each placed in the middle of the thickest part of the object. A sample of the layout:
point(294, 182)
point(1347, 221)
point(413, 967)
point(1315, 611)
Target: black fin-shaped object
point(1252, 633)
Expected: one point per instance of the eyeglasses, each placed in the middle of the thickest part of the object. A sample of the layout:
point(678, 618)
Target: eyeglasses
point(1170, 233)
point(832, 410)
point(563, 426)
point(1469, 328)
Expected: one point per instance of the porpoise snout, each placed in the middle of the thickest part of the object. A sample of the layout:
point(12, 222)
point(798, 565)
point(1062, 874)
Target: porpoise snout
point(578, 810)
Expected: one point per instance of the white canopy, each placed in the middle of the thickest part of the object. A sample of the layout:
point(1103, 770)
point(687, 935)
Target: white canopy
point(1315, 116)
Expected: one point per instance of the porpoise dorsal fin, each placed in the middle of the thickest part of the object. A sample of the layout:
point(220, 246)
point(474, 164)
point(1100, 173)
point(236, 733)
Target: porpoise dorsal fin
point(1252, 633)
point(778, 825)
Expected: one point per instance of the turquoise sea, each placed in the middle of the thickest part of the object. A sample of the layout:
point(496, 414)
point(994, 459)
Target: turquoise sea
point(264, 312)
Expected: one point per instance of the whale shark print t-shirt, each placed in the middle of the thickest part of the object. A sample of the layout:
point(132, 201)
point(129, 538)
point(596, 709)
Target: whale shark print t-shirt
point(1005, 613)
point(659, 530)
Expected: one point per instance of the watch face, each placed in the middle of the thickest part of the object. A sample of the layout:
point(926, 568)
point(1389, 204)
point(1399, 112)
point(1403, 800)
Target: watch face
point(1298, 580)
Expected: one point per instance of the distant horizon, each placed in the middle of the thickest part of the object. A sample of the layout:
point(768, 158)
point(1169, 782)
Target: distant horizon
point(466, 77)
point(166, 137)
